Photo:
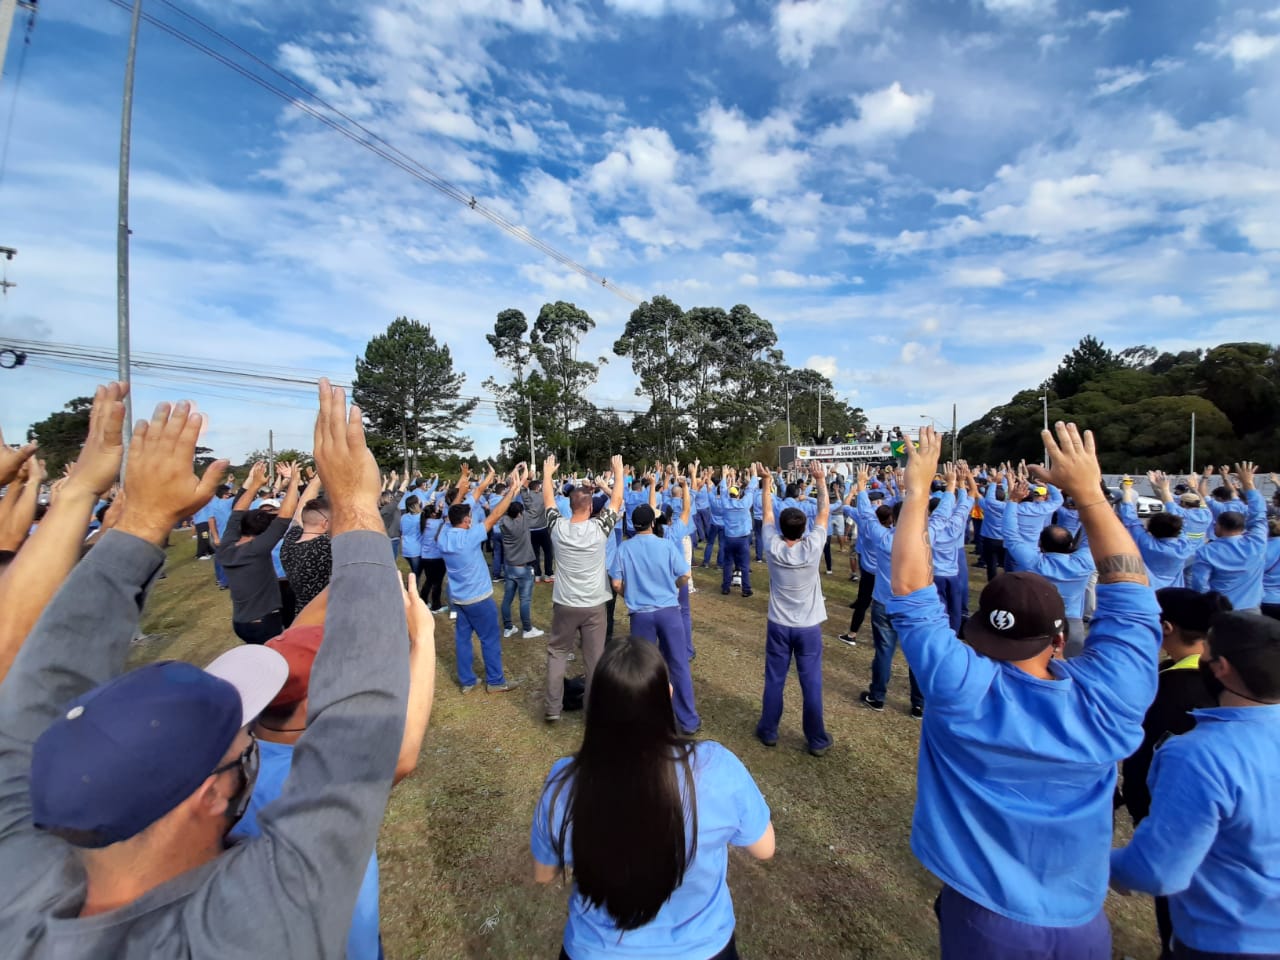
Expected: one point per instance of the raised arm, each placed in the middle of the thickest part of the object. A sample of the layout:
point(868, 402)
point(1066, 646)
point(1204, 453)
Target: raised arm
point(619, 473)
point(1256, 514)
point(912, 558)
point(291, 503)
point(18, 508)
point(686, 500)
point(464, 485)
point(257, 477)
point(549, 467)
point(82, 638)
point(46, 560)
point(514, 483)
point(1076, 471)
point(422, 678)
point(819, 473)
point(766, 496)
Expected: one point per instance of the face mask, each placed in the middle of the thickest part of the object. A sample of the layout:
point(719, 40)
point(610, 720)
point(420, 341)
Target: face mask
point(248, 762)
point(1211, 682)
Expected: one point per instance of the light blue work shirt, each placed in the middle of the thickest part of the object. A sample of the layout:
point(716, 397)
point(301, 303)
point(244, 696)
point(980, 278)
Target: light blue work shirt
point(1069, 572)
point(1233, 565)
point(276, 759)
point(648, 566)
point(1211, 842)
point(469, 578)
point(1165, 557)
point(1016, 774)
point(698, 920)
point(411, 535)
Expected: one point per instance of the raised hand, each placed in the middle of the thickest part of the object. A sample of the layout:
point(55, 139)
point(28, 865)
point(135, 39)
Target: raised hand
point(257, 476)
point(1246, 471)
point(98, 465)
point(922, 463)
point(347, 468)
point(517, 476)
point(1019, 490)
point(818, 470)
point(160, 481)
point(11, 460)
point(550, 465)
point(1075, 467)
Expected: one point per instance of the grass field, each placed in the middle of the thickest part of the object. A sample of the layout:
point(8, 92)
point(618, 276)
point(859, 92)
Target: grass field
point(454, 847)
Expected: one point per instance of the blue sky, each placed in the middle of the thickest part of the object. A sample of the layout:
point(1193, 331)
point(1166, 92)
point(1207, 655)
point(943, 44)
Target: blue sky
point(931, 200)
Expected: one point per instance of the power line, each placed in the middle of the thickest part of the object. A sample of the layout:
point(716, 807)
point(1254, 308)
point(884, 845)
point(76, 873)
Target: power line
point(371, 141)
point(257, 379)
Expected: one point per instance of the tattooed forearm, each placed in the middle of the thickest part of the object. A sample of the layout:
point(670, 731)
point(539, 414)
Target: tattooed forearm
point(1122, 568)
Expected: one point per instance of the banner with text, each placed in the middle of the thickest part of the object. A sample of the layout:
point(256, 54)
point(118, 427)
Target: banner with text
point(853, 451)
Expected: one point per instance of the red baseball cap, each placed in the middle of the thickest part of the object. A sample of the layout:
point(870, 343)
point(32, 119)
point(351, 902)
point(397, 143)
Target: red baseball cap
point(298, 646)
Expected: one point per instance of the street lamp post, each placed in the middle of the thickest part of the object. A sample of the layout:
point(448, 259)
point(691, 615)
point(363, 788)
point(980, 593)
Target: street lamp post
point(1045, 401)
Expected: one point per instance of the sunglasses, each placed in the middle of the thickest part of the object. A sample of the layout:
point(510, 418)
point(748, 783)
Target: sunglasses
point(248, 763)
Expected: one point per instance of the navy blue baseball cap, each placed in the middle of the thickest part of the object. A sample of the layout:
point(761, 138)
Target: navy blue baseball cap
point(129, 751)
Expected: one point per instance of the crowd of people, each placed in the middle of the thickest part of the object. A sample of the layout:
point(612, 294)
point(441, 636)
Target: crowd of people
point(233, 809)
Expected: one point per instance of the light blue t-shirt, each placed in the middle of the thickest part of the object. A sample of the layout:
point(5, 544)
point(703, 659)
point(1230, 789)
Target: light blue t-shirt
point(362, 941)
point(1271, 572)
point(220, 512)
point(469, 579)
point(431, 540)
point(203, 514)
point(1165, 557)
point(698, 920)
point(411, 535)
point(648, 567)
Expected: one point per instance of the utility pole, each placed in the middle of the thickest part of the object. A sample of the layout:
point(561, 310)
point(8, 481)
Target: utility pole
point(8, 10)
point(787, 386)
point(124, 372)
point(271, 452)
point(1045, 400)
point(954, 436)
point(532, 459)
point(819, 414)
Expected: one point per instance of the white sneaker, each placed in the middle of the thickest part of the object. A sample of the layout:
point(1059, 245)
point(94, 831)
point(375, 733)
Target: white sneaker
point(453, 614)
point(509, 632)
point(692, 588)
point(532, 632)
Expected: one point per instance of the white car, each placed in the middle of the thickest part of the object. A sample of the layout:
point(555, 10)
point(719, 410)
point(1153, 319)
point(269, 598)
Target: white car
point(1149, 506)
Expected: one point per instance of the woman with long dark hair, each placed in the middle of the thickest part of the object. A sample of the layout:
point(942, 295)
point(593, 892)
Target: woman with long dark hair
point(645, 817)
point(432, 563)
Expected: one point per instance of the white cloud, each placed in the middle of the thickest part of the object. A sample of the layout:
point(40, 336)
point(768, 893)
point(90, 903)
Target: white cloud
point(1243, 48)
point(749, 280)
point(805, 26)
point(976, 277)
point(827, 366)
point(741, 261)
point(644, 157)
point(1169, 305)
point(703, 9)
point(917, 353)
point(1020, 9)
point(790, 279)
point(888, 114)
point(755, 159)
point(1115, 79)
point(1106, 19)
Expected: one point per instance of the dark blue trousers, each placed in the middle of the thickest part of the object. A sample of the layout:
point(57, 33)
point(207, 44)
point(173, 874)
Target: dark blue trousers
point(665, 627)
point(714, 532)
point(954, 594)
point(805, 645)
point(736, 551)
point(968, 930)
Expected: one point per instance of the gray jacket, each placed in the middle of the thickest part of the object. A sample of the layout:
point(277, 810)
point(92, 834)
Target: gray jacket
point(288, 893)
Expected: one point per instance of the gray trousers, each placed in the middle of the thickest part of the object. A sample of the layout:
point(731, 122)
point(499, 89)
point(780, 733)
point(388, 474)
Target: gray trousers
point(567, 623)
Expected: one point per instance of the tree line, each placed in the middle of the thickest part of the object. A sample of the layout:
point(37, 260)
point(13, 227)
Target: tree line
point(719, 388)
point(1139, 402)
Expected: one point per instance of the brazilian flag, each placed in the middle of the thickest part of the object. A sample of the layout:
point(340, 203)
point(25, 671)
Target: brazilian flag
point(899, 449)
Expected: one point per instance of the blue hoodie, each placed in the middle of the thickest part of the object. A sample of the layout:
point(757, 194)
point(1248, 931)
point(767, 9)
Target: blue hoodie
point(1233, 565)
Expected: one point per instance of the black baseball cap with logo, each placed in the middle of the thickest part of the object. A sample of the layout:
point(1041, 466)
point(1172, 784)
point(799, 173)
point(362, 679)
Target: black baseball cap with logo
point(1019, 614)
